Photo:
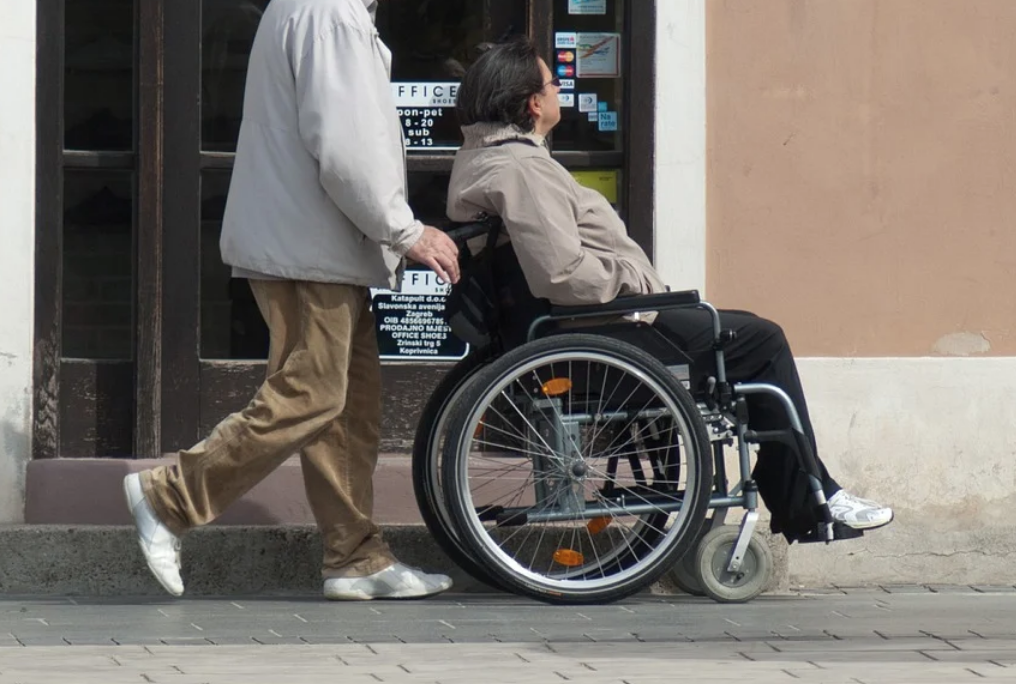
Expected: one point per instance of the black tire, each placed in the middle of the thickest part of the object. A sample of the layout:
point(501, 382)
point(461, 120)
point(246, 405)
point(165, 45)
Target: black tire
point(426, 466)
point(685, 574)
point(633, 574)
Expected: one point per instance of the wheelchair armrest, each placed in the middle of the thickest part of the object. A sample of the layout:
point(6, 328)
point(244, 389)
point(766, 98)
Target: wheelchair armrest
point(626, 305)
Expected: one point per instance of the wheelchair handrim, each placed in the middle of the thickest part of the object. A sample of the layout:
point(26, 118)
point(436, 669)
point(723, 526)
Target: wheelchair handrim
point(579, 582)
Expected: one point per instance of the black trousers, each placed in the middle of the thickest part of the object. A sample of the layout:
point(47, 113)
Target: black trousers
point(760, 353)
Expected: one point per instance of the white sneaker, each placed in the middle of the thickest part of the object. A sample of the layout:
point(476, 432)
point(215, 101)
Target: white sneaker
point(858, 513)
point(397, 581)
point(160, 546)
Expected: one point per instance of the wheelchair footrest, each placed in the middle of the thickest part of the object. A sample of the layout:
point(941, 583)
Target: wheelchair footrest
point(840, 532)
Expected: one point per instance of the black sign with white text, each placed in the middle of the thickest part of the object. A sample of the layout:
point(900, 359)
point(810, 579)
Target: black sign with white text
point(410, 323)
point(427, 112)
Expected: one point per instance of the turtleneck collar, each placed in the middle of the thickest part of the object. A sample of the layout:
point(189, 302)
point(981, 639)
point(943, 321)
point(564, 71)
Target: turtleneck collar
point(481, 135)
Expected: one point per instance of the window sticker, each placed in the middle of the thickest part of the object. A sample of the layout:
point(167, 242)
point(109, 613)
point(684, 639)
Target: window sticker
point(608, 121)
point(587, 6)
point(567, 99)
point(425, 109)
point(567, 41)
point(599, 55)
point(588, 102)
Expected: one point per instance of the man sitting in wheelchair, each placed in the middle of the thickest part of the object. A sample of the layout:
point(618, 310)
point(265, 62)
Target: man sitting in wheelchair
point(573, 249)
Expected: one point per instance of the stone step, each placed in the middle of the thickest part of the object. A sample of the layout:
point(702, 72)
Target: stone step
point(218, 560)
point(89, 491)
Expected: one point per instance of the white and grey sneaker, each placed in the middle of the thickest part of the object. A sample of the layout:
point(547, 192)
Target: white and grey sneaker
point(397, 581)
point(858, 513)
point(160, 546)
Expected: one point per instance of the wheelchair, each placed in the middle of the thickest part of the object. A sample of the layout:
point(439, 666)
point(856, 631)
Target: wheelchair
point(566, 458)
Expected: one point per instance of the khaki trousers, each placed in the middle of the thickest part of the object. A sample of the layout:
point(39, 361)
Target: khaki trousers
point(322, 398)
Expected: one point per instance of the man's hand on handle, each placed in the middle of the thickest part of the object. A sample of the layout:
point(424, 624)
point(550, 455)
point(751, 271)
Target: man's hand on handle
point(438, 252)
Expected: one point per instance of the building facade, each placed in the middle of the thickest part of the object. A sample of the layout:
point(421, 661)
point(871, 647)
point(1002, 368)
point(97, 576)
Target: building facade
point(843, 168)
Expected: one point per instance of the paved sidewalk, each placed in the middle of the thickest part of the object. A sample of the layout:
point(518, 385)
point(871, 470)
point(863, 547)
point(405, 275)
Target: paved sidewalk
point(956, 635)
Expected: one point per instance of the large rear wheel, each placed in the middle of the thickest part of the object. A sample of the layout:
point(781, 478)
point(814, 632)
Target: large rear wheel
point(577, 469)
point(428, 443)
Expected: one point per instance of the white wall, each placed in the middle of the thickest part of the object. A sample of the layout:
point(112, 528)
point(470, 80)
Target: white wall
point(681, 143)
point(17, 248)
point(936, 439)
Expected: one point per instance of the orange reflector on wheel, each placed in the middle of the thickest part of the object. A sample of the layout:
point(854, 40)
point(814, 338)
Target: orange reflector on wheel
point(568, 558)
point(479, 430)
point(597, 525)
point(556, 387)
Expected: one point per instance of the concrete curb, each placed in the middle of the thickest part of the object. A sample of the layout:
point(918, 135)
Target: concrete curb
point(217, 561)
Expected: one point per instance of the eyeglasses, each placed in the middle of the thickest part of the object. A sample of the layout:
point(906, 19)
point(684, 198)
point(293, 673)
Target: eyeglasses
point(556, 82)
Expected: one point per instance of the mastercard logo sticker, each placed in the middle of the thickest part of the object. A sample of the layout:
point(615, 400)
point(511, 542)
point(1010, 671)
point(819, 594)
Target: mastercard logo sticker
point(566, 56)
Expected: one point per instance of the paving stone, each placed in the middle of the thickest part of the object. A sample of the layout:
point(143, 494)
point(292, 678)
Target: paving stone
point(232, 640)
point(315, 639)
point(951, 589)
point(186, 641)
point(820, 591)
point(86, 640)
point(36, 640)
point(278, 640)
point(994, 589)
point(906, 589)
point(860, 591)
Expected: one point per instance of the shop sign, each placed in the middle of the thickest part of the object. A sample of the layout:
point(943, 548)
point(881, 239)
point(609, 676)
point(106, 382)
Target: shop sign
point(426, 109)
point(410, 324)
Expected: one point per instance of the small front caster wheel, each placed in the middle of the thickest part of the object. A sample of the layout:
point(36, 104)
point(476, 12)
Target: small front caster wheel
point(713, 556)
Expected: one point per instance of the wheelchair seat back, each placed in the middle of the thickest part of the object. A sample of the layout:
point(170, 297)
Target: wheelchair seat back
point(492, 304)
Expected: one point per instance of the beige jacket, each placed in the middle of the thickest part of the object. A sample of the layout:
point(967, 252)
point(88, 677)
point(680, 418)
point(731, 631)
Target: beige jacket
point(319, 185)
point(572, 246)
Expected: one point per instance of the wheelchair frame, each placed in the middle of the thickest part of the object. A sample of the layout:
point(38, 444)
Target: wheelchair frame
point(726, 402)
point(723, 410)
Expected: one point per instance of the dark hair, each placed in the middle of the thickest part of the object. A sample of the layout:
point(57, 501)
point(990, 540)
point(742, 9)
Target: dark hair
point(497, 87)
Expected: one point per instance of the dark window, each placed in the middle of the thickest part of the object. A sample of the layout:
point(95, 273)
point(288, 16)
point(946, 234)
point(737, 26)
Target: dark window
point(99, 186)
point(99, 75)
point(98, 265)
point(433, 43)
point(227, 34)
point(231, 324)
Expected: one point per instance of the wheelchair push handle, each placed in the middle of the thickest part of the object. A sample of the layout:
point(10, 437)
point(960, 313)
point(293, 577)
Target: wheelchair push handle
point(461, 233)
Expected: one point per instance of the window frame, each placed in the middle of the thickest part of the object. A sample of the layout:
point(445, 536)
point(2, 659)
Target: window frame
point(88, 407)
